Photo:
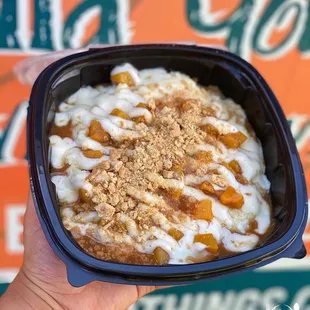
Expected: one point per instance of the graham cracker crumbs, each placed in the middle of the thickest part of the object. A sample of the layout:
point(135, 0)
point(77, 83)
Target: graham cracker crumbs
point(218, 180)
point(105, 211)
point(137, 171)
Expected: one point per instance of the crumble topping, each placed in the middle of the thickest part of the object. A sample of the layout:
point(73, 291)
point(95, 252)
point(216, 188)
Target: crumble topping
point(160, 165)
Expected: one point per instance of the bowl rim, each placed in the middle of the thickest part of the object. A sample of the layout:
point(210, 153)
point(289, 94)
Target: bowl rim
point(52, 223)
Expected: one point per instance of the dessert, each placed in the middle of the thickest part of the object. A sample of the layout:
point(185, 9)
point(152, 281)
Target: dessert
point(157, 169)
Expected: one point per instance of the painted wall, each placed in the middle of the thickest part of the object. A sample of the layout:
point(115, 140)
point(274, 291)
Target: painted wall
point(273, 35)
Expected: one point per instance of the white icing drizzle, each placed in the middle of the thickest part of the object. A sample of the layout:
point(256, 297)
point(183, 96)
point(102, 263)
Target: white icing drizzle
point(228, 226)
point(127, 68)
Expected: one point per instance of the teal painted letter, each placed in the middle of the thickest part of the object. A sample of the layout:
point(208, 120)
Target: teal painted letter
point(8, 24)
point(42, 37)
point(107, 32)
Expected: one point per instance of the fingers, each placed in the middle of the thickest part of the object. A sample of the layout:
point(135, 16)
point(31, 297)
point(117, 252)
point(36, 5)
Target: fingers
point(143, 290)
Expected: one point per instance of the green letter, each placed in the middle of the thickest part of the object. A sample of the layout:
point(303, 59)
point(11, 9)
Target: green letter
point(234, 24)
point(267, 17)
point(10, 134)
point(108, 31)
point(304, 43)
point(193, 16)
point(238, 24)
point(42, 25)
point(8, 25)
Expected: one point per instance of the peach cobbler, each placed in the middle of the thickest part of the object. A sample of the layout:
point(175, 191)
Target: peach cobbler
point(157, 169)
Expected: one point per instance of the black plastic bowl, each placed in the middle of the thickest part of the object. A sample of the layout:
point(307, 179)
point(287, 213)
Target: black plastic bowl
point(237, 80)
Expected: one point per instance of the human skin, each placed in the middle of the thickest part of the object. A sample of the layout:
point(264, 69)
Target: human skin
point(42, 280)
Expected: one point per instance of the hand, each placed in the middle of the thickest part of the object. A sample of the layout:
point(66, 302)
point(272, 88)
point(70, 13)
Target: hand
point(42, 281)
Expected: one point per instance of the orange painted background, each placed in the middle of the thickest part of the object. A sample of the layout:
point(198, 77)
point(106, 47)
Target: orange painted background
point(147, 21)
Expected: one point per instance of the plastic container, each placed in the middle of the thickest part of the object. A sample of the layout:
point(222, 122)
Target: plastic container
point(238, 80)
